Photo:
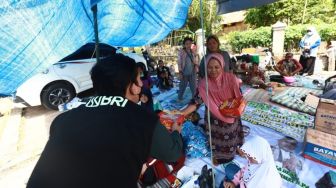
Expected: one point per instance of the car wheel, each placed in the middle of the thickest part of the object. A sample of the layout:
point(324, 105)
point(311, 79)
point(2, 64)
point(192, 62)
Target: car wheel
point(56, 94)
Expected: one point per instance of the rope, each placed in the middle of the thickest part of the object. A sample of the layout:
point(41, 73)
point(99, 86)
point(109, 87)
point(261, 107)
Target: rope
point(207, 92)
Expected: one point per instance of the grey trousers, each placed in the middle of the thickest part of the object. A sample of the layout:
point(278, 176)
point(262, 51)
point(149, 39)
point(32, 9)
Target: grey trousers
point(191, 79)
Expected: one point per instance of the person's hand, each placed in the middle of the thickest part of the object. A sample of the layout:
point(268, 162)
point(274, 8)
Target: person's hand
point(175, 112)
point(228, 184)
point(176, 127)
point(284, 74)
point(143, 98)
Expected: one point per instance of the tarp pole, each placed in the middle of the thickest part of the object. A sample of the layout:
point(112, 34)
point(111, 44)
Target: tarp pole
point(207, 94)
point(95, 25)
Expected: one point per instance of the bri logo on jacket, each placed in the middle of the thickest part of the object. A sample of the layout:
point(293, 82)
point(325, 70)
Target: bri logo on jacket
point(106, 100)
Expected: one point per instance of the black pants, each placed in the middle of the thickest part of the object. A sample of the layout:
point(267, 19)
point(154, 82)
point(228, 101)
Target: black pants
point(277, 78)
point(308, 64)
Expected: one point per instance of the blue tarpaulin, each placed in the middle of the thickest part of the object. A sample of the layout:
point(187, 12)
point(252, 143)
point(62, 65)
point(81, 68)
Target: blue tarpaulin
point(227, 6)
point(37, 33)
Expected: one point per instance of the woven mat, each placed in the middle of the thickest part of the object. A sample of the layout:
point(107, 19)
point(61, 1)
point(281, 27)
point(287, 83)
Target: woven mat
point(257, 95)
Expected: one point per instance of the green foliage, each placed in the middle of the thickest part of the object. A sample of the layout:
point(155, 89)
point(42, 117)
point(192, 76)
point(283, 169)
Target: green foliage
point(209, 16)
point(250, 38)
point(293, 12)
point(262, 36)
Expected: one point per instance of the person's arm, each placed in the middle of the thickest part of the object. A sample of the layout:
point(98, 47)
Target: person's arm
point(302, 43)
point(227, 61)
point(298, 67)
point(168, 71)
point(277, 67)
point(262, 75)
point(249, 77)
point(179, 60)
point(189, 109)
point(201, 71)
point(316, 44)
point(166, 146)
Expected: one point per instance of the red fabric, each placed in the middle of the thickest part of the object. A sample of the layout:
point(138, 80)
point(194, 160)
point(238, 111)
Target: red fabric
point(225, 86)
point(162, 169)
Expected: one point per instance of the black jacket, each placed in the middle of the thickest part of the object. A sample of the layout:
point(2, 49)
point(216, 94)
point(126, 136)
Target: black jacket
point(101, 144)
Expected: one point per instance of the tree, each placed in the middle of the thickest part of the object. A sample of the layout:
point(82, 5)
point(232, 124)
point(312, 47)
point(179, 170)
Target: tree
point(209, 16)
point(293, 12)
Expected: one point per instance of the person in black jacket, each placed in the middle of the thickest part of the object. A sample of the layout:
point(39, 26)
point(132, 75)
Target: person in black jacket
point(105, 142)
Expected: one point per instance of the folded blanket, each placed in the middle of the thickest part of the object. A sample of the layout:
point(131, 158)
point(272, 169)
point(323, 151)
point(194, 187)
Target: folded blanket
point(291, 98)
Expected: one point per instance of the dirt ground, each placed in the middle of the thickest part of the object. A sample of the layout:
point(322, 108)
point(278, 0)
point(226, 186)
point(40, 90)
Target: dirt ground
point(23, 135)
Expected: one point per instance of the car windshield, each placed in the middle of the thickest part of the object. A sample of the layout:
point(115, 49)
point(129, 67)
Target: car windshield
point(88, 51)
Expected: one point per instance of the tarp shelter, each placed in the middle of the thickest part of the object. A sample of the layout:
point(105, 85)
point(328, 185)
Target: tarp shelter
point(36, 33)
point(226, 6)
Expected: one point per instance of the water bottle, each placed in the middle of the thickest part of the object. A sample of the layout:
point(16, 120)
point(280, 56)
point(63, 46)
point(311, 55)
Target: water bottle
point(270, 91)
point(74, 103)
point(62, 107)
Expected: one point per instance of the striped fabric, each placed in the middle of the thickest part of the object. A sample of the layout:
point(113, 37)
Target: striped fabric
point(162, 183)
point(291, 98)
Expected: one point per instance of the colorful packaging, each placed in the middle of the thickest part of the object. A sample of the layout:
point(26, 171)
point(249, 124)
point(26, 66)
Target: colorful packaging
point(168, 118)
point(320, 147)
point(233, 107)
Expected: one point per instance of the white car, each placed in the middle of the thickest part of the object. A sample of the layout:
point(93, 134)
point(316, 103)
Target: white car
point(63, 80)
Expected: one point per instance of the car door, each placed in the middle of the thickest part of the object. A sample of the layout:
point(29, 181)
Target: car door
point(77, 71)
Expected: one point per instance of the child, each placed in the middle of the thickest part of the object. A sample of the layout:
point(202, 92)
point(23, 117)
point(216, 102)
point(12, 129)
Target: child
point(233, 177)
point(256, 77)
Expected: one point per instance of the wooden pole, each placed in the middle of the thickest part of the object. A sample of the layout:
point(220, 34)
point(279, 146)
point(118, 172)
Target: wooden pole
point(304, 11)
point(95, 10)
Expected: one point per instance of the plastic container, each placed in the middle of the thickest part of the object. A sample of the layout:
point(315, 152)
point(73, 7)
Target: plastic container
point(289, 79)
point(255, 58)
point(270, 91)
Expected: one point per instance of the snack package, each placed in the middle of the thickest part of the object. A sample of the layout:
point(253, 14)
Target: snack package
point(168, 118)
point(233, 107)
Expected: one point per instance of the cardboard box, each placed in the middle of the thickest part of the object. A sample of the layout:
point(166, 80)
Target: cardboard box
point(312, 101)
point(325, 119)
point(320, 147)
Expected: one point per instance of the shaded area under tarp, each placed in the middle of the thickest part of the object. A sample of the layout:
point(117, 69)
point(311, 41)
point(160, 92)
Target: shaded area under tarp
point(36, 34)
point(226, 6)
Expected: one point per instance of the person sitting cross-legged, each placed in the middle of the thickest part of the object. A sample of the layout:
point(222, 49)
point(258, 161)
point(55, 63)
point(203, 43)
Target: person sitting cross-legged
point(286, 67)
point(164, 77)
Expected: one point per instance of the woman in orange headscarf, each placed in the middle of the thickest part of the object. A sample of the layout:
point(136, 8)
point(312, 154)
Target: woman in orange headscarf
point(226, 131)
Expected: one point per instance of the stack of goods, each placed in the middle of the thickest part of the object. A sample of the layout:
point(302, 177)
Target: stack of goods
point(293, 124)
point(195, 141)
point(325, 119)
point(320, 144)
point(291, 98)
point(320, 147)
